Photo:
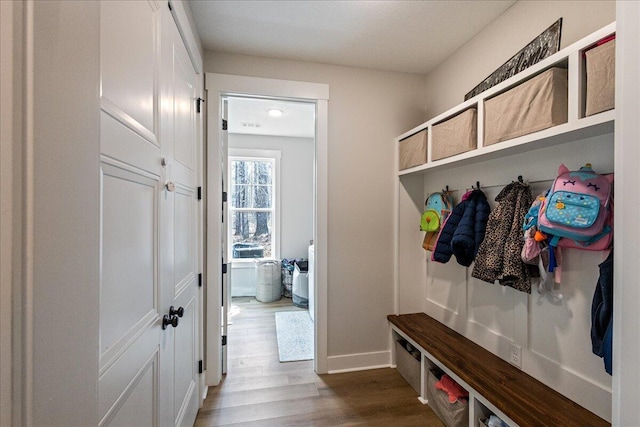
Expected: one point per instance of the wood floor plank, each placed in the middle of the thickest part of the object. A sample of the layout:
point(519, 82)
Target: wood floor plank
point(258, 390)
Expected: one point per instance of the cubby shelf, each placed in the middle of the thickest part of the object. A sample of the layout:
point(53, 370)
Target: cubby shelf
point(577, 127)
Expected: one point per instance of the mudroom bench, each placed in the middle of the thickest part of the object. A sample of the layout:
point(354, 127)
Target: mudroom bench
point(494, 385)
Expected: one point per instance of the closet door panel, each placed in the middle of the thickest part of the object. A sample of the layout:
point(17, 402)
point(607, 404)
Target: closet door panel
point(185, 239)
point(185, 366)
point(184, 86)
point(128, 36)
point(137, 406)
point(129, 242)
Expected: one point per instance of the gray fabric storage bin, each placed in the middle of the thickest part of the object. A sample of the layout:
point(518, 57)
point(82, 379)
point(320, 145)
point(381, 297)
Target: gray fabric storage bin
point(413, 150)
point(539, 103)
point(451, 414)
point(601, 82)
point(408, 366)
point(455, 135)
point(268, 280)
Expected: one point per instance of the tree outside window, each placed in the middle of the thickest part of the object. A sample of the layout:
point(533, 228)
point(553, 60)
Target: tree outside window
point(252, 207)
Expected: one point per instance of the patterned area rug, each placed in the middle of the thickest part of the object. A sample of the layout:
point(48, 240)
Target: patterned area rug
point(294, 330)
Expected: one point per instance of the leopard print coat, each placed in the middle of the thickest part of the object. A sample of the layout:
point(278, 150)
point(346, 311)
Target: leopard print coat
point(498, 257)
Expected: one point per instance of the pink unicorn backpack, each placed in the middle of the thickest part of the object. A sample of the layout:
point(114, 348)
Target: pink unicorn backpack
point(577, 211)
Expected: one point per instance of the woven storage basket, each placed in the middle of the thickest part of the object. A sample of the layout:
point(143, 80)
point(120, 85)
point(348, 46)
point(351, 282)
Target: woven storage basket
point(268, 280)
point(413, 150)
point(455, 135)
point(539, 103)
point(451, 414)
point(601, 73)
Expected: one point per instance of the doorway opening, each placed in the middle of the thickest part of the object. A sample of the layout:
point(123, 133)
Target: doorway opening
point(270, 246)
point(270, 225)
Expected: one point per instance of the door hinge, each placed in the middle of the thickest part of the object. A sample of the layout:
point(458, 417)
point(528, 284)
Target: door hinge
point(200, 368)
point(198, 102)
point(224, 268)
point(199, 193)
point(224, 124)
point(224, 340)
point(169, 4)
point(224, 196)
point(199, 280)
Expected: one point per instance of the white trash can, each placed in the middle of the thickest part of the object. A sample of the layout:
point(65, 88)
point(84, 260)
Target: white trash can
point(300, 287)
point(268, 280)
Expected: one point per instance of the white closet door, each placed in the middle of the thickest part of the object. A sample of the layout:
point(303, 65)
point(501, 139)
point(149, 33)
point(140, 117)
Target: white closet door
point(179, 257)
point(148, 229)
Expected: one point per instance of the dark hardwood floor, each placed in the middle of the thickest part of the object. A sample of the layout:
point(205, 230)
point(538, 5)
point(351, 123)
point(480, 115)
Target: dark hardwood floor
point(258, 390)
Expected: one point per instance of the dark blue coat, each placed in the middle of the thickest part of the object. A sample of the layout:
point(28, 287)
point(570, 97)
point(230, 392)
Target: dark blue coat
point(602, 313)
point(464, 230)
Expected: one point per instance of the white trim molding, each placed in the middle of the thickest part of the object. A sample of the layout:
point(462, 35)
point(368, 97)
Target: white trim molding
point(626, 318)
point(11, 124)
point(359, 362)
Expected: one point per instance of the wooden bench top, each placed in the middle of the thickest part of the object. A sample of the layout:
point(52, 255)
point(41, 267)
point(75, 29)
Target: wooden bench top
point(518, 395)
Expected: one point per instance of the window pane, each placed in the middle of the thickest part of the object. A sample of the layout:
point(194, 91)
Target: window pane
point(241, 196)
point(262, 173)
point(251, 235)
point(240, 172)
point(262, 196)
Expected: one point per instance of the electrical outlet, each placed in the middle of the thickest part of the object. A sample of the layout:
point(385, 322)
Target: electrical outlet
point(515, 355)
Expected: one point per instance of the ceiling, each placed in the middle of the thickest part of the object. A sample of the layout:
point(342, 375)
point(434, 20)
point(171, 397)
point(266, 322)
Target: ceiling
point(251, 116)
point(407, 36)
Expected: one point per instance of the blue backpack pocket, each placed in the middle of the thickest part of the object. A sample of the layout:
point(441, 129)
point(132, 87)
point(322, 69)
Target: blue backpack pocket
point(576, 210)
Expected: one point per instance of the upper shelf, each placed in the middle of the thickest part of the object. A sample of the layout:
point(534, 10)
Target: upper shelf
point(577, 127)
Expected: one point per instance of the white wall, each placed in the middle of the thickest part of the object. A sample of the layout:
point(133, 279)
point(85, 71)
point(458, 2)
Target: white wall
point(62, 199)
point(366, 111)
point(458, 74)
point(554, 335)
point(296, 201)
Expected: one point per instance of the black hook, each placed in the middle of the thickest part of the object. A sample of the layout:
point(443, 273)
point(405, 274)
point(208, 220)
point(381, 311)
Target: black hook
point(477, 187)
point(520, 179)
point(446, 190)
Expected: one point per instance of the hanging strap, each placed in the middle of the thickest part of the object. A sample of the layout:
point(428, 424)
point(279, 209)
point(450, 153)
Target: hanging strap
point(554, 265)
point(545, 287)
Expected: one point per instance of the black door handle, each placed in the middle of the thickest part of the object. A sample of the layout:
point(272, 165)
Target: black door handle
point(179, 312)
point(169, 320)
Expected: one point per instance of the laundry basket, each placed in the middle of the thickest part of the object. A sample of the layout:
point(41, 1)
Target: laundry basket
point(268, 280)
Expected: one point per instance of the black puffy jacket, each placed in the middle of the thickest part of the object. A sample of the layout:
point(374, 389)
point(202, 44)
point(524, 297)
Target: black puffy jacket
point(463, 230)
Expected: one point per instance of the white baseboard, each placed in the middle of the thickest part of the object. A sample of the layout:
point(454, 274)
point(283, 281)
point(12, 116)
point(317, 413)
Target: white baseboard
point(359, 362)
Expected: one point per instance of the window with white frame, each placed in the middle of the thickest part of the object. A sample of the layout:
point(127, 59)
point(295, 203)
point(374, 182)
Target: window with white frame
point(253, 204)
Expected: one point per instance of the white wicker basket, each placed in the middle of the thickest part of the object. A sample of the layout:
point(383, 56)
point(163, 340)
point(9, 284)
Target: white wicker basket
point(268, 280)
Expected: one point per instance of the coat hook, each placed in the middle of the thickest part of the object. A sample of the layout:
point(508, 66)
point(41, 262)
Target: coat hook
point(477, 187)
point(520, 179)
point(446, 190)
